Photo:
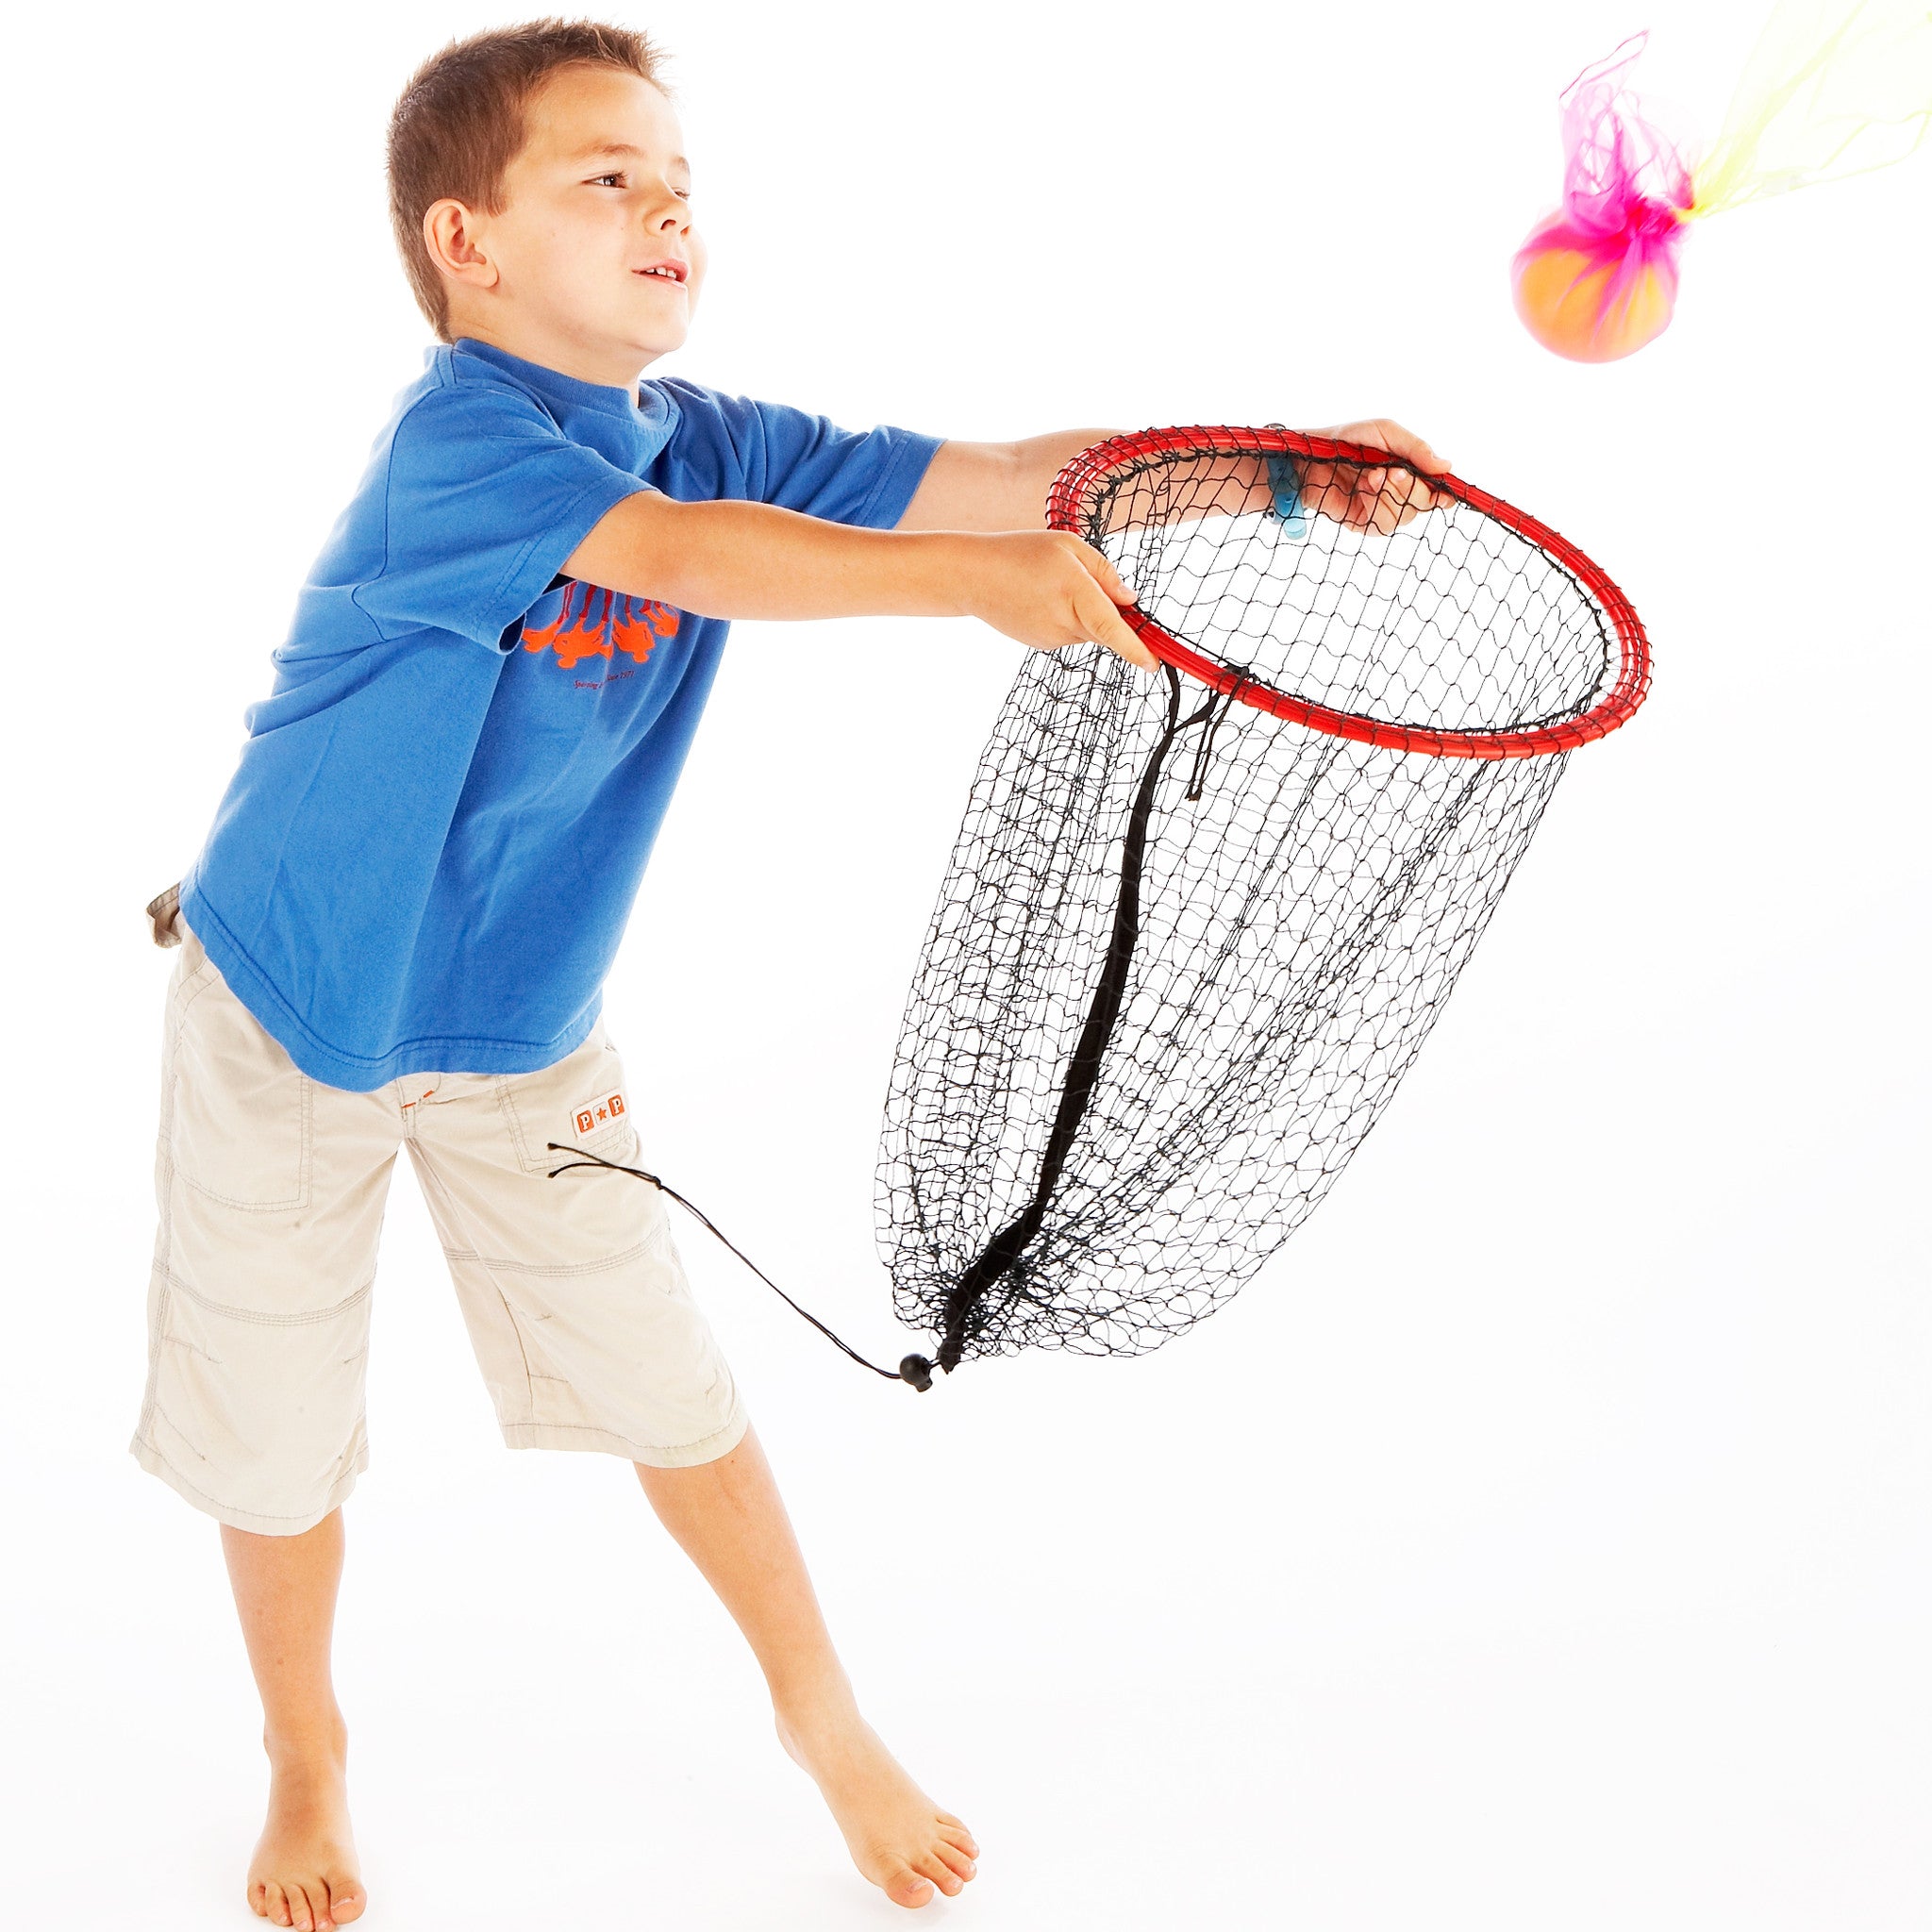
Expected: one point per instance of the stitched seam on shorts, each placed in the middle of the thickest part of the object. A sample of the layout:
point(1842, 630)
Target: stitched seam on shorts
point(505, 1101)
point(618, 1134)
point(306, 1101)
point(160, 1315)
point(266, 1321)
point(617, 1436)
point(345, 1463)
point(549, 1270)
point(288, 1206)
point(154, 1449)
point(191, 987)
point(433, 1191)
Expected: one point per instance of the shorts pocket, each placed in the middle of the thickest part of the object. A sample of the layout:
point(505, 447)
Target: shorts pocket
point(243, 1113)
point(580, 1102)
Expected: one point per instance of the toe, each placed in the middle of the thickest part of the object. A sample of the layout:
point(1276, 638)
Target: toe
point(300, 1912)
point(909, 1889)
point(346, 1900)
point(956, 1835)
point(932, 1866)
point(956, 1861)
point(275, 1904)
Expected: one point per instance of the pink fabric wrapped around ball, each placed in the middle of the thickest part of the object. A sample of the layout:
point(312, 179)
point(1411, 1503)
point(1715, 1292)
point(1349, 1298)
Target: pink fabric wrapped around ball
point(1598, 279)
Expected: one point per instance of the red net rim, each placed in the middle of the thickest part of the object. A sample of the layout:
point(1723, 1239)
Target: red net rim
point(1074, 487)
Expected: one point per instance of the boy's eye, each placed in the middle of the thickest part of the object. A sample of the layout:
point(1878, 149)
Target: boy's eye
point(620, 180)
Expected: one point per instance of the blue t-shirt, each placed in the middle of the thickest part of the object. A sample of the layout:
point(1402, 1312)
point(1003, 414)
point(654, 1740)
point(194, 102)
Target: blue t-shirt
point(442, 814)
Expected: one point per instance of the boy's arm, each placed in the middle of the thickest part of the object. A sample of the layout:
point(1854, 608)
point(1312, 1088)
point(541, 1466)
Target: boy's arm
point(993, 486)
point(753, 559)
point(1003, 485)
point(970, 544)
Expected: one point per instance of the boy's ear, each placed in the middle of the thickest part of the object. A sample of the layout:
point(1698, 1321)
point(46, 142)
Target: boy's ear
point(450, 232)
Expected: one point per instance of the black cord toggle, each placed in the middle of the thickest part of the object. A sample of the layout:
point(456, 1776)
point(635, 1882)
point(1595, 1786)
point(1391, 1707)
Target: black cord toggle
point(915, 1369)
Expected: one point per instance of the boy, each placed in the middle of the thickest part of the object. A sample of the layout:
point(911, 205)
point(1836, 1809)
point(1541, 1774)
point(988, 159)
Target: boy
point(397, 931)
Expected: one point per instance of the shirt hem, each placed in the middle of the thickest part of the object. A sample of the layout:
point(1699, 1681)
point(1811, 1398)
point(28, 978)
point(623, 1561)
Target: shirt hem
point(357, 1072)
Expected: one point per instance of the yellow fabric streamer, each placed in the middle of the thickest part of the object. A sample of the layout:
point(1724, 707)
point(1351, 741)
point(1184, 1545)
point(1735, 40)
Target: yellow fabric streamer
point(1826, 92)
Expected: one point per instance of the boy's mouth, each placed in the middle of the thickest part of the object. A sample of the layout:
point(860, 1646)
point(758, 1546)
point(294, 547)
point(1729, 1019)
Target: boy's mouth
point(665, 270)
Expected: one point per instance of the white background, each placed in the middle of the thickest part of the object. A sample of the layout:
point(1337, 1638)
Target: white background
point(1541, 1540)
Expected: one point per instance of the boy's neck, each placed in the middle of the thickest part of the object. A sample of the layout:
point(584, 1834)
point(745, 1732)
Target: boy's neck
point(607, 365)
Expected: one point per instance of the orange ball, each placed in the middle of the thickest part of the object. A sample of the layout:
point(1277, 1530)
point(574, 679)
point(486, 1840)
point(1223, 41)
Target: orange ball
point(1588, 308)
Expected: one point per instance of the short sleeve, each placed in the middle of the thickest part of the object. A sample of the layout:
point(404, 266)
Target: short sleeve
point(772, 453)
point(486, 499)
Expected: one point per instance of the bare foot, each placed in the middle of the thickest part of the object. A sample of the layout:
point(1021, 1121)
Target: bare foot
point(304, 1872)
point(898, 1838)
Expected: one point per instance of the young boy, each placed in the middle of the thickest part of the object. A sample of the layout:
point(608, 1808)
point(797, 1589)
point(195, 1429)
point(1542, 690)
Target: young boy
point(397, 931)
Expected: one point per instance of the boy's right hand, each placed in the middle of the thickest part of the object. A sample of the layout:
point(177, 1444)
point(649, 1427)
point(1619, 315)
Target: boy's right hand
point(1046, 587)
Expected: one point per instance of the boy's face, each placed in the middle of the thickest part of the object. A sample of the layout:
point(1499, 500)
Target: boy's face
point(597, 263)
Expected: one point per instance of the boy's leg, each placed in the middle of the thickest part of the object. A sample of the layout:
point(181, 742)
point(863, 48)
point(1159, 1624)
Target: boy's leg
point(304, 1871)
point(269, 1187)
point(730, 1521)
point(589, 1339)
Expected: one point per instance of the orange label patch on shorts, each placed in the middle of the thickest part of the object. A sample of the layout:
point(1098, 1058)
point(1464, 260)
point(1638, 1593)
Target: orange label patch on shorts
point(596, 1115)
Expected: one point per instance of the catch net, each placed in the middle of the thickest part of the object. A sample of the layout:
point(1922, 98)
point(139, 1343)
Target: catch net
point(1197, 924)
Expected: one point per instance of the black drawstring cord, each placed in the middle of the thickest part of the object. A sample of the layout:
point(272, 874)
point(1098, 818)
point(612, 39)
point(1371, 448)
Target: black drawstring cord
point(1214, 713)
point(914, 1369)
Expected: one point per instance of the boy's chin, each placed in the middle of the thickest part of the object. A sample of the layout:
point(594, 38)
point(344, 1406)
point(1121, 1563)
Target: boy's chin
point(658, 339)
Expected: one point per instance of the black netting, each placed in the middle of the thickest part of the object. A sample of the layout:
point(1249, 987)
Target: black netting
point(1186, 948)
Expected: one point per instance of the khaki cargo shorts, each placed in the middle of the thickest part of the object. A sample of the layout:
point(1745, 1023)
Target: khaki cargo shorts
point(272, 1185)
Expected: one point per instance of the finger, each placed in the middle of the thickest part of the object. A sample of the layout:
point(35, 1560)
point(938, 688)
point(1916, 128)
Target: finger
point(1104, 573)
point(1105, 625)
point(1365, 498)
point(1382, 507)
point(1381, 433)
point(1403, 497)
point(1406, 443)
point(1391, 506)
point(1325, 492)
point(1416, 497)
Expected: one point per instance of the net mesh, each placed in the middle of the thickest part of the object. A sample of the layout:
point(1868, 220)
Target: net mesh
point(1185, 947)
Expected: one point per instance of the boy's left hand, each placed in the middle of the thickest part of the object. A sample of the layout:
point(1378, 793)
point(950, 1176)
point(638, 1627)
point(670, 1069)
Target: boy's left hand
point(1379, 500)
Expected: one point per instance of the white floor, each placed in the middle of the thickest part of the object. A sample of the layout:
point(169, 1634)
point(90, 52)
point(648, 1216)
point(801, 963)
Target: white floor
point(1411, 1588)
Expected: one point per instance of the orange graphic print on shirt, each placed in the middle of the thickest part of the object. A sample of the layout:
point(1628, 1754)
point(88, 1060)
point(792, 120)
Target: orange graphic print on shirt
point(594, 623)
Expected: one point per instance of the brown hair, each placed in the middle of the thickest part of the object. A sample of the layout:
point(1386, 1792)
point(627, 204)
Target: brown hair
point(459, 124)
